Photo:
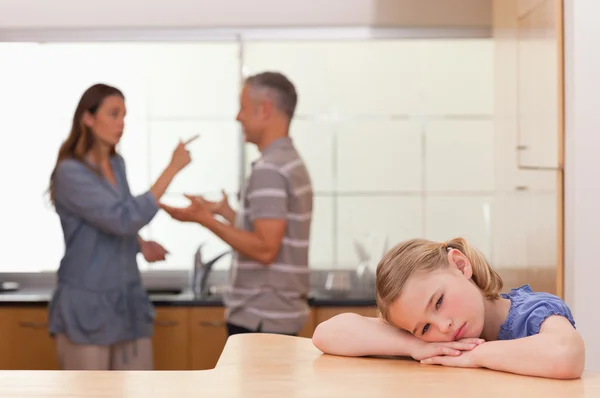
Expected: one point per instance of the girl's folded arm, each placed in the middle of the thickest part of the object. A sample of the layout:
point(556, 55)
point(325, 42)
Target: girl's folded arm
point(557, 351)
point(354, 335)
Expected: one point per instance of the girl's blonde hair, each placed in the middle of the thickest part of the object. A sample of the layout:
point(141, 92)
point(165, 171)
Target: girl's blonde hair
point(420, 255)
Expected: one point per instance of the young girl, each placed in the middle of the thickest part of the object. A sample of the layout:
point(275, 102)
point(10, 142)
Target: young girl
point(440, 303)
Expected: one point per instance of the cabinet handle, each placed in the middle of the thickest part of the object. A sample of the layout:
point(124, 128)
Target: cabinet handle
point(212, 324)
point(166, 323)
point(33, 325)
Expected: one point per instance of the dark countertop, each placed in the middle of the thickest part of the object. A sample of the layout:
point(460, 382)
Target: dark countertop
point(41, 297)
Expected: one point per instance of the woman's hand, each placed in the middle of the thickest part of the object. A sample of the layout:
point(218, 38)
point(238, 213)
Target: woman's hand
point(449, 350)
point(181, 156)
point(152, 251)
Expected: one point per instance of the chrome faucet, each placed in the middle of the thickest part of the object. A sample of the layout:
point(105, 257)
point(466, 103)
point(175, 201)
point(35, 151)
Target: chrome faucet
point(368, 258)
point(201, 272)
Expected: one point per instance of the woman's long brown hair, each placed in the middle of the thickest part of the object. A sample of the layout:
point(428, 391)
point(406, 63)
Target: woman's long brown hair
point(81, 140)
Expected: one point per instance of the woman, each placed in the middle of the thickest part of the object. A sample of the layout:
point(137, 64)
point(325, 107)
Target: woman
point(100, 314)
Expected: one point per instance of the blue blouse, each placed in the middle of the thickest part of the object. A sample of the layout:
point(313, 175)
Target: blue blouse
point(528, 310)
point(99, 299)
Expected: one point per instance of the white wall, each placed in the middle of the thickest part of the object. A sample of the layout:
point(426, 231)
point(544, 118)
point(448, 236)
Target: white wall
point(582, 171)
point(242, 13)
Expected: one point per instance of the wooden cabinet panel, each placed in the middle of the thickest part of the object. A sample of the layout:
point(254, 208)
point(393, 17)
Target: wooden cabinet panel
point(28, 344)
point(309, 326)
point(208, 336)
point(171, 339)
point(4, 341)
point(184, 338)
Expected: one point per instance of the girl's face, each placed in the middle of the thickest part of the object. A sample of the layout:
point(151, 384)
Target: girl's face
point(443, 305)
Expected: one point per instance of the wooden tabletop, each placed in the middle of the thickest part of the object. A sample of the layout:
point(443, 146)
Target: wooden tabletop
point(261, 365)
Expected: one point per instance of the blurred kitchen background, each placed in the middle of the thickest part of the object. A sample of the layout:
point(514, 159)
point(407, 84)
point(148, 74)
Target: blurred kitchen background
point(407, 132)
point(430, 119)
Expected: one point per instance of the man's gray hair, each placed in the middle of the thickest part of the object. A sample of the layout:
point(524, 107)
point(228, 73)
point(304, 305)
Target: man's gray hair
point(278, 88)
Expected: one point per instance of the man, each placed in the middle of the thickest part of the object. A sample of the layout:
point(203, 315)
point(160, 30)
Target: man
point(270, 235)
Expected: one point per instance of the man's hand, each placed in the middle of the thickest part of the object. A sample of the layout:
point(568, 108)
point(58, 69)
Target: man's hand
point(221, 208)
point(152, 251)
point(450, 349)
point(198, 211)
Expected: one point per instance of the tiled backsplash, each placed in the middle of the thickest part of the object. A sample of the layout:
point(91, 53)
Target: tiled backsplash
point(357, 285)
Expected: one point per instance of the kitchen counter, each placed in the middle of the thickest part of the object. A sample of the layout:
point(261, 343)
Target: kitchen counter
point(41, 297)
point(264, 365)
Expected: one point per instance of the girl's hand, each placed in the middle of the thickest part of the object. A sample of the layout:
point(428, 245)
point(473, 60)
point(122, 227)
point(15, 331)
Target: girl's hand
point(464, 360)
point(449, 349)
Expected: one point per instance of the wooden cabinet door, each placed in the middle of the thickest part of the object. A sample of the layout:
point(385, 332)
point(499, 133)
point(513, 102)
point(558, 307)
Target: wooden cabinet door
point(309, 326)
point(208, 334)
point(5, 320)
point(170, 342)
point(29, 347)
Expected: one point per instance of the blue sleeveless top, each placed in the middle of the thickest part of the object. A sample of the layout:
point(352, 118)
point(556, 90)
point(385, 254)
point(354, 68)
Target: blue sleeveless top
point(528, 310)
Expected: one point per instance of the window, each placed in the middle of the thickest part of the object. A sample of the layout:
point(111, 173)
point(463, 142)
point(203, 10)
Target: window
point(398, 136)
point(173, 90)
